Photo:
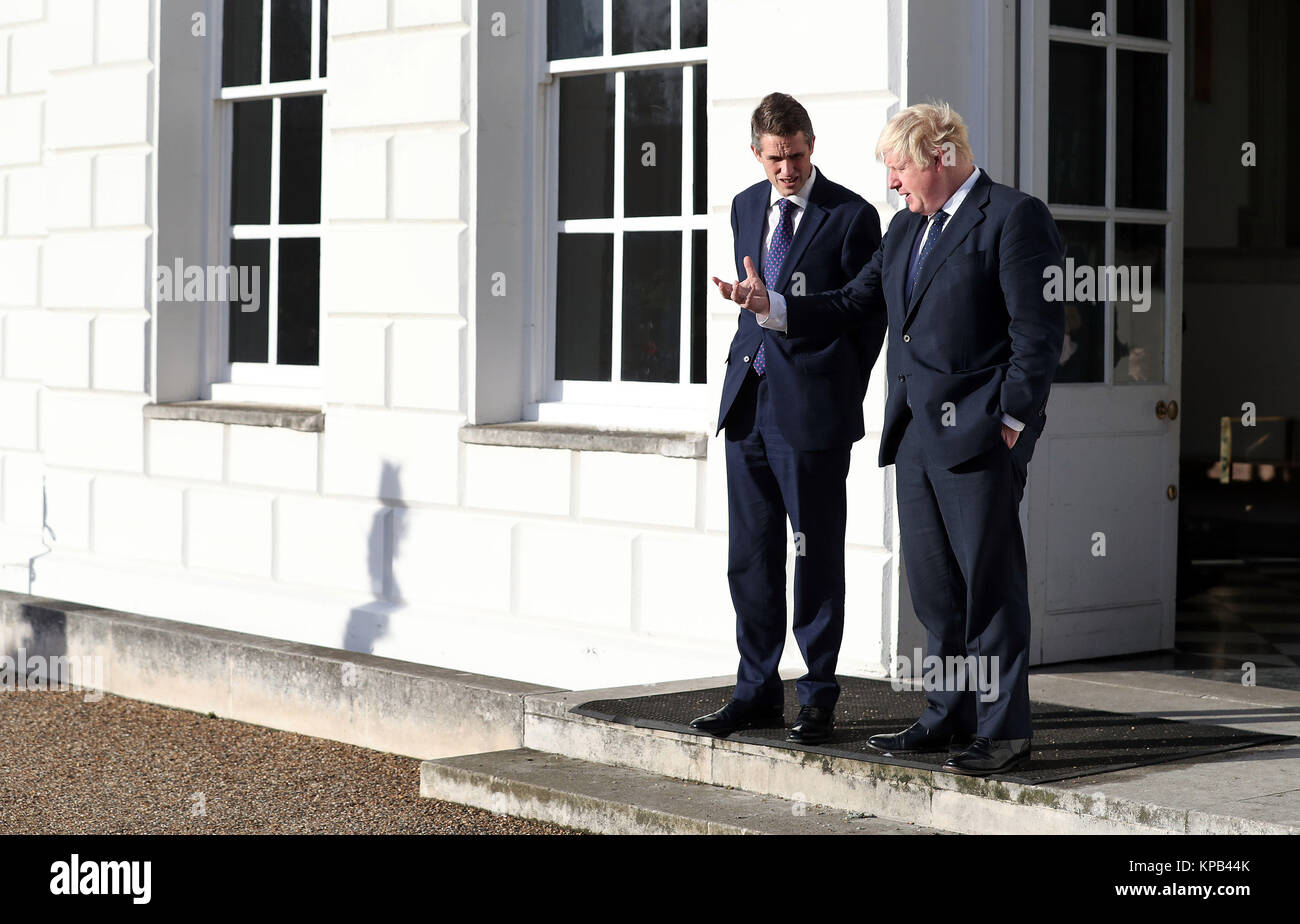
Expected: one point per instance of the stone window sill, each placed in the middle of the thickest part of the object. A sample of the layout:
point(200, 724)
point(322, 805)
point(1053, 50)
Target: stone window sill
point(674, 444)
point(306, 419)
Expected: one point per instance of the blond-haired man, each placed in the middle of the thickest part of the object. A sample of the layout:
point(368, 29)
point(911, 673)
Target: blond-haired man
point(973, 345)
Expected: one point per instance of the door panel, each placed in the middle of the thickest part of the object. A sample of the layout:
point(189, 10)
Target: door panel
point(1090, 513)
point(1112, 174)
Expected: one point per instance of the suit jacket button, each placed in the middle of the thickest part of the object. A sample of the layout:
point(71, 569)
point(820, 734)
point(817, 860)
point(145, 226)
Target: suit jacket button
point(907, 338)
point(746, 359)
point(901, 377)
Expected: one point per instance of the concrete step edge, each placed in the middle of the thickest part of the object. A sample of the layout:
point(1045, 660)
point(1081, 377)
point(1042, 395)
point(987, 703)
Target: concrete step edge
point(606, 799)
point(905, 795)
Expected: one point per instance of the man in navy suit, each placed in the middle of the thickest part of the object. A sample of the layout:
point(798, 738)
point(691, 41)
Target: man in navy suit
point(973, 346)
point(792, 409)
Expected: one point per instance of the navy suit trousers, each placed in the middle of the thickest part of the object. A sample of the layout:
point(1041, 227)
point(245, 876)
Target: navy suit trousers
point(767, 481)
point(965, 558)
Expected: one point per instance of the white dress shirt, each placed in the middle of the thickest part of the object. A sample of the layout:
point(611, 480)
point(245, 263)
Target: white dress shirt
point(775, 319)
point(773, 217)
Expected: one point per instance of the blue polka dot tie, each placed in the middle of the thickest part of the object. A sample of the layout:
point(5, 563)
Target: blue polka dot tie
point(936, 226)
point(777, 250)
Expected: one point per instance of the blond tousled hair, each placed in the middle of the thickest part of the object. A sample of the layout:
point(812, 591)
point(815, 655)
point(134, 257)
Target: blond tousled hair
point(919, 134)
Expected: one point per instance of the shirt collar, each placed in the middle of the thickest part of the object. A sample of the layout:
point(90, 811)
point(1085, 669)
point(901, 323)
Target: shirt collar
point(957, 198)
point(799, 198)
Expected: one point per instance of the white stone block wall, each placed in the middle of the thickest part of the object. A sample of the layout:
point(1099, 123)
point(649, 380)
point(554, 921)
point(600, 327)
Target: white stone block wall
point(574, 568)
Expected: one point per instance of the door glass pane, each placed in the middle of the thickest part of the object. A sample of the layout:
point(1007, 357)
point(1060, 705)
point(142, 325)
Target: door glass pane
point(1083, 354)
point(1142, 17)
point(584, 306)
point(652, 158)
point(642, 25)
point(586, 147)
point(574, 29)
point(695, 23)
point(241, 43)
point(298, 318)
point(1077, 14)
point(1076, 125)
point(248, 329)
point(300, 145)
point(1141, 98)
point(652, 306)
point(1140, 311)
point(699, 305)
point(701, 175)
point(290, 39)
point(250, 172)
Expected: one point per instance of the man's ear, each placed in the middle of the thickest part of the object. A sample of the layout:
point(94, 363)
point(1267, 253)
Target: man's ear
point(757, 156)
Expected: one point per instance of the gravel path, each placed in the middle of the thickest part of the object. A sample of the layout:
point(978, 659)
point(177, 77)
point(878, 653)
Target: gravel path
point(118, 766)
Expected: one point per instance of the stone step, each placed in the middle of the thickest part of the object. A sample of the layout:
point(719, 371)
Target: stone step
point(606, 799)
point(1154, 799)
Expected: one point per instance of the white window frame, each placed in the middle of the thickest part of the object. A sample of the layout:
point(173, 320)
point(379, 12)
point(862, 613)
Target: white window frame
point(269, 382)
point(616, 402)
point(1034, 159)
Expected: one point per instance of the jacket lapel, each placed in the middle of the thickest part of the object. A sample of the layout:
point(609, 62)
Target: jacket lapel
point(901, 256)
point(813, 217)
point(970, 214)
point(751, 231)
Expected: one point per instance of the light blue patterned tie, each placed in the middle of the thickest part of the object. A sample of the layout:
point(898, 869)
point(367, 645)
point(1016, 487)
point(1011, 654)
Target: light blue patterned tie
point(772, 263)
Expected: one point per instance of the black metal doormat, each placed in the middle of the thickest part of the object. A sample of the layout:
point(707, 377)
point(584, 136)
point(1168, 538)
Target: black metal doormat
point(1068, 742)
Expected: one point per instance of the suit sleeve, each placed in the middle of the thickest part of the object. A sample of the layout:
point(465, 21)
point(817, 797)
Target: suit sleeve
point(859, 303)
point(1030, 244)
point(860, 243)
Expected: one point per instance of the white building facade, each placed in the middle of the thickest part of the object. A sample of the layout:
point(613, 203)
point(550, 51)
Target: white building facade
point(462, 254)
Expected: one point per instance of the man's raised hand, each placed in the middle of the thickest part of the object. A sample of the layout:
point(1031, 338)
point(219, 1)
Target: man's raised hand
point(750, 293)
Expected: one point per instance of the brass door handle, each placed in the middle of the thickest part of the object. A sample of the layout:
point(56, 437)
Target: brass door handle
point(1167, 411)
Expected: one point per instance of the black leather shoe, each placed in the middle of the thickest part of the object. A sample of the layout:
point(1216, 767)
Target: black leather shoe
point(916, 737)
point(739, 714)
point(989, 755)
point(813, 726)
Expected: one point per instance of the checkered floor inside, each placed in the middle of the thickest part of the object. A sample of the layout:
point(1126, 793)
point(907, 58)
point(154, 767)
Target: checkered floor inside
point(1249, 615)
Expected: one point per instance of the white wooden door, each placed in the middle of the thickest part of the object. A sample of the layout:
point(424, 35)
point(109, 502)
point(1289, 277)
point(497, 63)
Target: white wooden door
point(1101, 142)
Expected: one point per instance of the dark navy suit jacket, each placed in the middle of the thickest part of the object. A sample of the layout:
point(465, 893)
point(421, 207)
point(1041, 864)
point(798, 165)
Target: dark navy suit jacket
point(817, 381)
point(977, 338)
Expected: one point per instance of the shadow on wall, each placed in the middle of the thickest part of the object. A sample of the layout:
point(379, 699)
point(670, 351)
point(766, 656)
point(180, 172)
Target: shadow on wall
point(369, 622)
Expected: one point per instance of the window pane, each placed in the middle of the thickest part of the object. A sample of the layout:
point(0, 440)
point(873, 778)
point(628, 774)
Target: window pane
point(701, 176)
point(248, 329)
point(1141, 17)
point(695, 23)
point(1083, 355)
point(574, 29)
point(652, 157)
point(290, 40)
point(1075, 13)
point(241, 43)
point(642, 25)
point(1076, 124)
point(300, 145)
point(584, 307)
point(298, 319)
point(250, 172)
point(1139, 333)
point(699, 305)
point(587, 147)
point(324, 33)
point(652, 306)
point(1140, 121)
